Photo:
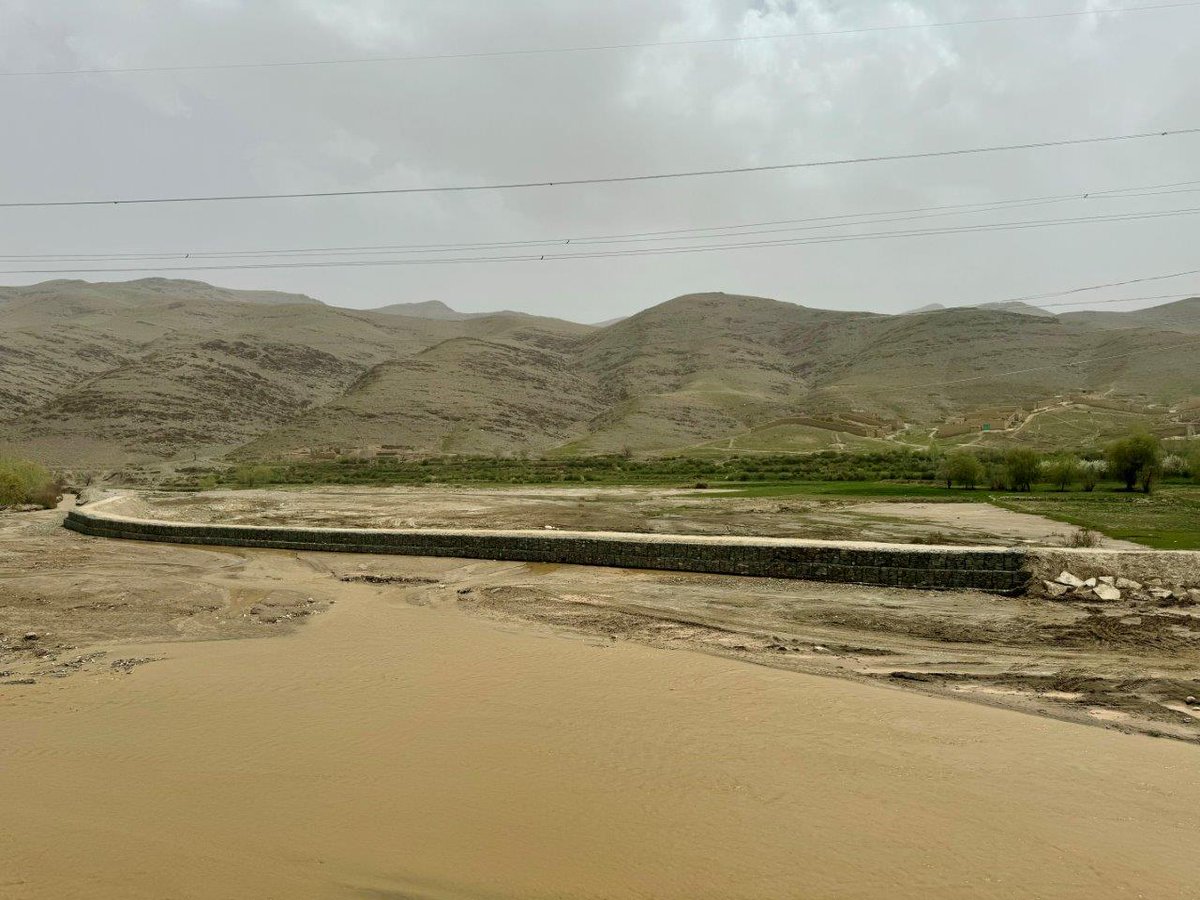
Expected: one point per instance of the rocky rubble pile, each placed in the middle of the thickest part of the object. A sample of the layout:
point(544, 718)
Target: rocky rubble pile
point(1110, 588)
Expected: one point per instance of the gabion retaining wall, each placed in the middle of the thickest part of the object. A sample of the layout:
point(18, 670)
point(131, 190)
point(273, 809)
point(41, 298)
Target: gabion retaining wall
point(894, 565)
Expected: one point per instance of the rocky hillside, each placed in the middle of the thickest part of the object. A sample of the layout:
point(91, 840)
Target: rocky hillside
point(104, 374)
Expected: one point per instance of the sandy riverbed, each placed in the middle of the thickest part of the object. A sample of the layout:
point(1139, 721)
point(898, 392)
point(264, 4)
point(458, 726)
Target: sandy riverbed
point(533, 735)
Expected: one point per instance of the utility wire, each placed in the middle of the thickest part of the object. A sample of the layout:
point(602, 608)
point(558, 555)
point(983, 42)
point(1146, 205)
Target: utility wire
point(615, 179)
point(1097, 287)
point(598, 48)
point(445, 248)
point(636, 251)
point(1186, 296)
point(831, 221)
point(699, 232)
point(704, 233)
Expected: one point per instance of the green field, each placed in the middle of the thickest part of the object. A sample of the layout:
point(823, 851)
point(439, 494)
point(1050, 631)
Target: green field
point(1168, 519)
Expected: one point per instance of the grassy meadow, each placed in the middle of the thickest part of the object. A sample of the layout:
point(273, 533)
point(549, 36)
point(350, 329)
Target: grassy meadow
point(1168, 519)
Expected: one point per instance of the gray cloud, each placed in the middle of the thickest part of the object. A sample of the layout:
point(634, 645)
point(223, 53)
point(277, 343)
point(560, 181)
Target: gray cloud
point(603, 113)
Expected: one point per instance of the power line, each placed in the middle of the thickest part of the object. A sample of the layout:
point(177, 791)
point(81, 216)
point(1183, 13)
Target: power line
point(997, 304)
point(631, 237)
point(597, 48)
point(829, 221)
point(637, 251)
point(1109, 284)
point(446, 248)
point(1186, 296)
point(713, 232)
point(615, 179)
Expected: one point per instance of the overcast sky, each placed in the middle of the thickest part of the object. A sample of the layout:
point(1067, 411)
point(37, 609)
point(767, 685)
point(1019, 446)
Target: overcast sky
point(594, 114)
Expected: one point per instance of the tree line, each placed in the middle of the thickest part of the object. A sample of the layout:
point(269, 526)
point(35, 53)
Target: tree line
point(1137, 461)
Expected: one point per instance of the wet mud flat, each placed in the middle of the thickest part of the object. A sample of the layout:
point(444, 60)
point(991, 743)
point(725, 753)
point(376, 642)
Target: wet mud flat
point(63, 601)
point(1129, 665)
point(632, 509)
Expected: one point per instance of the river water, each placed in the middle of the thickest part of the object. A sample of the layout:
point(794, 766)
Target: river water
point(390, 750)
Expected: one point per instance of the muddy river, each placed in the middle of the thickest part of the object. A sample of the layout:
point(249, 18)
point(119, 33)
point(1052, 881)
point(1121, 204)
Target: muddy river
point(274, 730)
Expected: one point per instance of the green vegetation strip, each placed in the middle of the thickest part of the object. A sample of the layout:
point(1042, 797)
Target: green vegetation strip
point(675, 471)
point(1168, 519)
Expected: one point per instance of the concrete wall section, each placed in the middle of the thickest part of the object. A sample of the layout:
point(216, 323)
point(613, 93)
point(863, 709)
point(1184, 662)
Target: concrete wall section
point(895, 565)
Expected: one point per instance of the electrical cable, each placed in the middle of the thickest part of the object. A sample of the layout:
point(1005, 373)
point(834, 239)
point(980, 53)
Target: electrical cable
point(597, 48)
point(614, 179)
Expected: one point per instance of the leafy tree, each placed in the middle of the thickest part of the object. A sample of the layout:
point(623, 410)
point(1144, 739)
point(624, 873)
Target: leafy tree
point(1090, 477)
point(1175, 466)
point(944, 473)
point(997, 477)
point(1023, 466)
point(1135, 459)
point(12, 492)
point(249, 476)
point(961, 467)
point(1063, 472)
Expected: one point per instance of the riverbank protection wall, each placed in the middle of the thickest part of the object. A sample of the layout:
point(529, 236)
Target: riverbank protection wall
point(894, 565)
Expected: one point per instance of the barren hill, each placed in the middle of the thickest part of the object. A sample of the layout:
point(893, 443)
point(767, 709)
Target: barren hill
point(426, 309)
point(1016, 306)
point(436, 309)
point(104, 374)
point(1181, 315)
point(95, 373)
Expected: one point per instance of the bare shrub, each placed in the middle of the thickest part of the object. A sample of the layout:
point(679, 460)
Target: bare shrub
point(1084, 537)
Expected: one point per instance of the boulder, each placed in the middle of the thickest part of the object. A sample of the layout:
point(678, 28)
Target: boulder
point(1054, 589)
point(1127, 584)
point(1069, 580)
point(1106, 592)
point(1107, 579)
point(1091, 582)
point(1159, 593)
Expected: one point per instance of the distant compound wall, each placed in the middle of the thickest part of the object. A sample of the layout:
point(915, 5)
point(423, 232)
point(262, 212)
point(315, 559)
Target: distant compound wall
point(893, 565)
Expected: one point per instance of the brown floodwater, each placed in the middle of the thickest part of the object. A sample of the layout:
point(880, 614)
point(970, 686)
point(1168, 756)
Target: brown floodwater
point(388, 750)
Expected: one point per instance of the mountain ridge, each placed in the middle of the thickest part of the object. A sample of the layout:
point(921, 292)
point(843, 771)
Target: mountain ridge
point(104, 374)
